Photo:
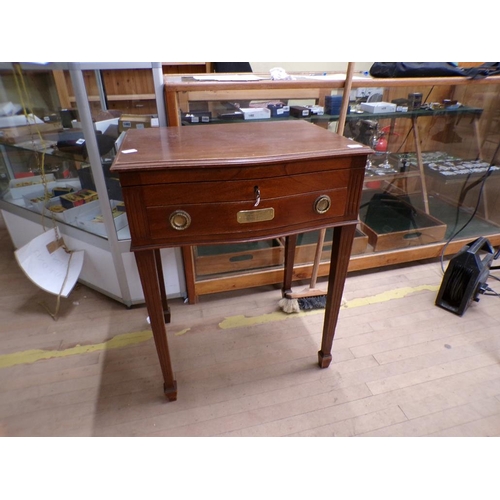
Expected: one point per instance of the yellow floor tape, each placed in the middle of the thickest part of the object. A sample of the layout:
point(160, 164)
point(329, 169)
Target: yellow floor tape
point(129, 339)
point(398, 293)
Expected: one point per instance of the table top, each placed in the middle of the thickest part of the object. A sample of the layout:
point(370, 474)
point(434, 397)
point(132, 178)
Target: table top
point(230, 144)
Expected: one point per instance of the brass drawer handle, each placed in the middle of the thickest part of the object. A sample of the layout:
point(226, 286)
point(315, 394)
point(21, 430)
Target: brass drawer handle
point(322, 204)
point(180, 220)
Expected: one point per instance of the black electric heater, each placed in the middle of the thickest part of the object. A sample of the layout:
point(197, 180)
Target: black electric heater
point(465, 277)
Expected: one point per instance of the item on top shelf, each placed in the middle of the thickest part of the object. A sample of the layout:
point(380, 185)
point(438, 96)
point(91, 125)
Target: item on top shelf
point(127, 122)
point(261, 103)
point(231, 115)
point(196, 117)
point(256, 113)
point(414, 100)
point(299, 111)
point(316, 110)
point(378, 107)
point(279, 110)
point(402, 105)
point(333, 104)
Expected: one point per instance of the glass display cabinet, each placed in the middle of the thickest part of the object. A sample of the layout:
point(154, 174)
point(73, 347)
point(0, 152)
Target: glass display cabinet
point(431, 186)
point(60, 127)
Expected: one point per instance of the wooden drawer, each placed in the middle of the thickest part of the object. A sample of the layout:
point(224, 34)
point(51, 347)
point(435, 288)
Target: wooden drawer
point(243, 190)
point(243, 220)
point(229, 207)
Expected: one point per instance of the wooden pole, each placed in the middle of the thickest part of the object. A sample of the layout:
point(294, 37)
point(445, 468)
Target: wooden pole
point(340, 131)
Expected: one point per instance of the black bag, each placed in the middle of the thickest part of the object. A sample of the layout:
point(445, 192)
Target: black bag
point(429, 69)
point(486, 69)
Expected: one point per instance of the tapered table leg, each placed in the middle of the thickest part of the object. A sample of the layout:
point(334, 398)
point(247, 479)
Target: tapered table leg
point(189, 273)
point(290, 245)
point(161, 283)
point(341, 251)
point(148, 272)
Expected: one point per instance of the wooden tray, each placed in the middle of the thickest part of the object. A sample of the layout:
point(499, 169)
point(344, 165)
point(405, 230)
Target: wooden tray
point(306, 246)
point(390, 222)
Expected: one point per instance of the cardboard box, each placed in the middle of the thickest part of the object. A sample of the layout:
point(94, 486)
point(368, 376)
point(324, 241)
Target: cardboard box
point(378, 107)
point(67, 215)
point(91, 219)
point(127, 122)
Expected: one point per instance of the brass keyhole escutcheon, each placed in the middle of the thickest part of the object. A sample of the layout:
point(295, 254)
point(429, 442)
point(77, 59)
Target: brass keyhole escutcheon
point(322, 204)
point(180, 220)
point(256, 191)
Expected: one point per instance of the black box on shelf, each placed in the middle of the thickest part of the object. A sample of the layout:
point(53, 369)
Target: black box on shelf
point(299, 111)
point(279, 110)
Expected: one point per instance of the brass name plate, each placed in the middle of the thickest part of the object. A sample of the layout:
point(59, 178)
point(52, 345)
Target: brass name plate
point(260, 215)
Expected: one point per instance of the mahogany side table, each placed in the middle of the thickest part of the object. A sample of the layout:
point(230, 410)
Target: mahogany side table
point(228, 183)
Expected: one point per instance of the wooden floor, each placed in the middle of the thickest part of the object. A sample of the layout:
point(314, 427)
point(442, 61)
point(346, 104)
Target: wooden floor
point(401, 366)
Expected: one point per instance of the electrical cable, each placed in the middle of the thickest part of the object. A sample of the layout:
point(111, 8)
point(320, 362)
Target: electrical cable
point(482, 180)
